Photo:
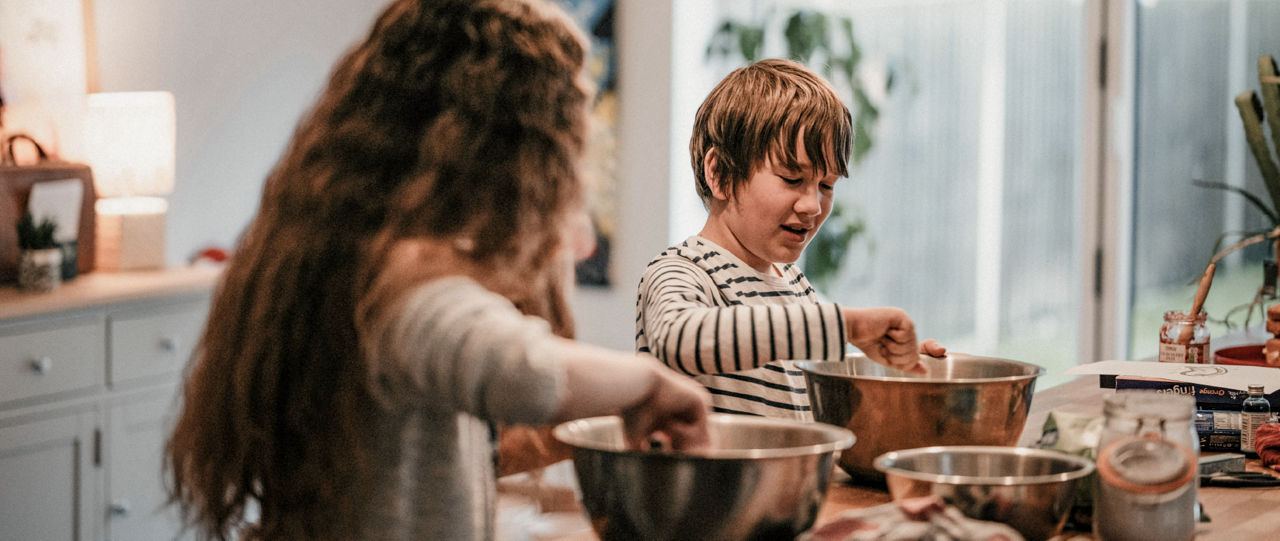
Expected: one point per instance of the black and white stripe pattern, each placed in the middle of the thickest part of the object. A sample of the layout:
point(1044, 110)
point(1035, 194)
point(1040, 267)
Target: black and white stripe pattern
point(705, 313)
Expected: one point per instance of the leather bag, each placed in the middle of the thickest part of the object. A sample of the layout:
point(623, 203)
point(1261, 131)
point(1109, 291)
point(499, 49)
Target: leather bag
point(15, 189)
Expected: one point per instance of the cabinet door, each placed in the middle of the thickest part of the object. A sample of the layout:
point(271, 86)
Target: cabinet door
point(48, 479)
point(138, 428)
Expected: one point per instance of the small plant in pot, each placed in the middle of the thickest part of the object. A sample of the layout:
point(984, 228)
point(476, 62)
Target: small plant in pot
point(40, 262)
point(1254, 111)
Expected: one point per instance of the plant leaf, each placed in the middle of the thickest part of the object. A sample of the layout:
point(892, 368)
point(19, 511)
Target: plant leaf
point(1251, 113)
point(1257, 202)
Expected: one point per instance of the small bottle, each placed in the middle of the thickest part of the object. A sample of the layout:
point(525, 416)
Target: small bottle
point(1255, 412)
point(1174, 347)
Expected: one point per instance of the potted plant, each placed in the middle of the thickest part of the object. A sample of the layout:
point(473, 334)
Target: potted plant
point(1253, 111)
point(40, 259)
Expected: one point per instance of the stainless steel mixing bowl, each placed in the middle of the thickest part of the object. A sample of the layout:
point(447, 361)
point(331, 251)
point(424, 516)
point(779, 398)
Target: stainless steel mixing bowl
point(962, 400)
point(761, 479)
point(1031, 490)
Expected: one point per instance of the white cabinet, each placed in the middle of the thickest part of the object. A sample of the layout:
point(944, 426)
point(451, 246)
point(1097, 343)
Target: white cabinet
point(48, 484)
point(51, 358)
point(135, 501)
point(89, 390)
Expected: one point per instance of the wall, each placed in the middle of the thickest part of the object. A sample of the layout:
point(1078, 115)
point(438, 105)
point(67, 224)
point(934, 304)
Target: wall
point(243, 72)
point(606, 316)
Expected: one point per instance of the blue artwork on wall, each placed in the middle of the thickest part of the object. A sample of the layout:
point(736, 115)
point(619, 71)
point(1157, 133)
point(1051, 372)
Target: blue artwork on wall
point(596, 17)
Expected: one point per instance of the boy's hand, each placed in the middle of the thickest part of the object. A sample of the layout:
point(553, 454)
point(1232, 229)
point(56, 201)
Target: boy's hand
point(932, 348)
point(886, 335)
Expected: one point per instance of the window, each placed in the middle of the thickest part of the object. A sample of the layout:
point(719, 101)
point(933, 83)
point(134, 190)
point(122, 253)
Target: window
point(997, 196)
point(1192, 58)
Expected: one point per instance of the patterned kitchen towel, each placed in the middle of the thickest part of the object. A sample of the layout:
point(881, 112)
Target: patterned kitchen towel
point(1267, 443)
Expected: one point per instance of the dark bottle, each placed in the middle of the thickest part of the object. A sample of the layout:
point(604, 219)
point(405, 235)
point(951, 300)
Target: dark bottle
point(1255, 412)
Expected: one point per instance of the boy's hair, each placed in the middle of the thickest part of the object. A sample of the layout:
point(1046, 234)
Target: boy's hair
point(758, 112)
point(453, 119)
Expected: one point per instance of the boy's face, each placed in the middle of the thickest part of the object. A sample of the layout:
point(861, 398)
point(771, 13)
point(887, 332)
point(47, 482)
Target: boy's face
point(774, 215)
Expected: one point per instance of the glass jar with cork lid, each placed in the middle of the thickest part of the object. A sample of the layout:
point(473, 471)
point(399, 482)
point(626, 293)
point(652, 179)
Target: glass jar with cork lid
point(1184, 338)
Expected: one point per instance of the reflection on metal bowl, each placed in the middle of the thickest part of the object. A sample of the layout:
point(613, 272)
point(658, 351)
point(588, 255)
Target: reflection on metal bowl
point(1031, 490)
point(762, 479)
point(962, 400)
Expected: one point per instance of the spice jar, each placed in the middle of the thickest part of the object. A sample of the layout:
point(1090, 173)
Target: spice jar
point(1147, 462)
point(1184, 338)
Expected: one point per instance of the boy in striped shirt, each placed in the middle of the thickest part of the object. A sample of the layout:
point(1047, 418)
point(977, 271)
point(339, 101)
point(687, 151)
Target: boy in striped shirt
point(728, 306)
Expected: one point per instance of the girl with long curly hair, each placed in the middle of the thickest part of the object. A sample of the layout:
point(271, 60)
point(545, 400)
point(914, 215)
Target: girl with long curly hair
point(401, 292)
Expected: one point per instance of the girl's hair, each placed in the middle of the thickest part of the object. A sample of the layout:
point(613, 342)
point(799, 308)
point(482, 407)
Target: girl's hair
point(455, 120)
point(760, 111)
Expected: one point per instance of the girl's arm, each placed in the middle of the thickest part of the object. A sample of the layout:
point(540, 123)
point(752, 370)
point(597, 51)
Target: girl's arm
point(649, 397)
point(455, 346)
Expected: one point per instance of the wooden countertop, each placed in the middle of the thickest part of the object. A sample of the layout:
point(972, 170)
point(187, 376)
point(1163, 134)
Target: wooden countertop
point(1237, 514)
point(102, 287)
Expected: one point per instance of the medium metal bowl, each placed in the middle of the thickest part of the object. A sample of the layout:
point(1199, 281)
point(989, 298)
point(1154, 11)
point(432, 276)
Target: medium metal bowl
point(1031, 490)
point(962, 400)
point(761, 479)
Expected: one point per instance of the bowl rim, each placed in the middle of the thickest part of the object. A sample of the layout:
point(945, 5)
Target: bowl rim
point(840, 438)
point(817, 368)
point(1083, 466)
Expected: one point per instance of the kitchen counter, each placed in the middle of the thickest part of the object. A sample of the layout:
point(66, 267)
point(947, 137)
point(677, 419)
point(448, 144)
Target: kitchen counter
point(1237, 514)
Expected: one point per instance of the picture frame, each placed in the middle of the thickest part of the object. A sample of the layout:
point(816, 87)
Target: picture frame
point(48, 64)
point(600, 163)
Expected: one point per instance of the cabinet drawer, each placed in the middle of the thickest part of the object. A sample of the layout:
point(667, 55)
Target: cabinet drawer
point(51, 358)
point(153, 341)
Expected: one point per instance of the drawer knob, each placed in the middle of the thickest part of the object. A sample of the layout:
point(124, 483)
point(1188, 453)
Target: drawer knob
point(169, 344)
point(119, 508)
point(42, 365)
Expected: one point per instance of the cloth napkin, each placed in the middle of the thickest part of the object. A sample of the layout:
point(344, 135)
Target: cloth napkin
point(1267, 444)
point(913, 519)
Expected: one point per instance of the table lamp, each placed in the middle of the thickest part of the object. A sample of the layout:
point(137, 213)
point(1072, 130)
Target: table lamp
point(129, 144)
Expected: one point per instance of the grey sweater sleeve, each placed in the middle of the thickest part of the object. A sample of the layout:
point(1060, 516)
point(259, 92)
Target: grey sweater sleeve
point(470, 350)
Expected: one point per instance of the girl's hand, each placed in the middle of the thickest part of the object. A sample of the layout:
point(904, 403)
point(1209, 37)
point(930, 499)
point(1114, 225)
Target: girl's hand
point(886, 335)
point(673, 413)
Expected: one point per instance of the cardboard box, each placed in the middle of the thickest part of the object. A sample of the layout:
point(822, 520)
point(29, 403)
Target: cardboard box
point(1207, 396)
point(1219, 430)
point(1210, 383)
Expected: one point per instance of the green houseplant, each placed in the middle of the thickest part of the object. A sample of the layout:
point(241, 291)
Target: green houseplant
point(40, 259)
point(825, 42)
point(1253, 112)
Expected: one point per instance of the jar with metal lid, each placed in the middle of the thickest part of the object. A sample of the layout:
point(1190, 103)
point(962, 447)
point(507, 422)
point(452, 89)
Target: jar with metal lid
point(1184, 338)
point(1147, 463)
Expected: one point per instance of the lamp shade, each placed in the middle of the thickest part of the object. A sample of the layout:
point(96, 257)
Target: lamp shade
point(129, 143)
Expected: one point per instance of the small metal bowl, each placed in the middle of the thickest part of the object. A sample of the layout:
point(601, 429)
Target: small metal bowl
point(761, 479)
point(1031, 490)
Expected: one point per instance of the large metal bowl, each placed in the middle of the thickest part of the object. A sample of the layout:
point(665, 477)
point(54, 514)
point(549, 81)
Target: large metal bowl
point(1031, 490)
point(761, 479)
point(962, 400)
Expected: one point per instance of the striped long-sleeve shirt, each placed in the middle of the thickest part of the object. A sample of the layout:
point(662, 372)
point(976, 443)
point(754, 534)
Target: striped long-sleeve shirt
point(705, 313)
